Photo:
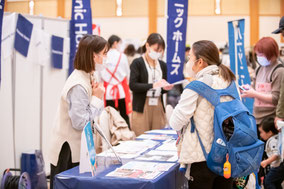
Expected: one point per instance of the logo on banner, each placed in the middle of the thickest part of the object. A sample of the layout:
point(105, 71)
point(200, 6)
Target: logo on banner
point(80, 24)
point(57, 51)
point(2, 3)
point(238, 62)
point(24, 30)
point(176, 37)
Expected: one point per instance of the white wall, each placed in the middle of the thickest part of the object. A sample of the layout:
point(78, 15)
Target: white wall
point(124, 27)
point(268, 24)
point(213, 28)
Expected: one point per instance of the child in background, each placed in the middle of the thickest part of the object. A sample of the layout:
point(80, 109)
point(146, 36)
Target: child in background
point(269, 133)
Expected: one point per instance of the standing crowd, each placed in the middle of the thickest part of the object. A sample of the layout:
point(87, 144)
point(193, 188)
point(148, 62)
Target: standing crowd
point(134, 84)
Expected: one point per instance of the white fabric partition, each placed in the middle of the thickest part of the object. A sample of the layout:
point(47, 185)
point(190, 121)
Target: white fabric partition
point(53, 82)
point(37, 91)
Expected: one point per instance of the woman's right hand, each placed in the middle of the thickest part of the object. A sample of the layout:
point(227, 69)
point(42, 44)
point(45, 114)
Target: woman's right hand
point(161, 83)
point(98, 90)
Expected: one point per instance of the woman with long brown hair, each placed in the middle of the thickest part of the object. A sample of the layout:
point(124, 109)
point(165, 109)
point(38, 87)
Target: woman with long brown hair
point(205, 66)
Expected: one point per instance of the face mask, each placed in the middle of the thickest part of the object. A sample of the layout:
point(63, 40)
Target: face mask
point(100, 67)
point(119, 47)
point(154, 55)
point(188, 69)
point(186, 59)
point(263, 61)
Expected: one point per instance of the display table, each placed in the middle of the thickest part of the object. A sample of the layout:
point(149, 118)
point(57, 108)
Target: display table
point(171, 179)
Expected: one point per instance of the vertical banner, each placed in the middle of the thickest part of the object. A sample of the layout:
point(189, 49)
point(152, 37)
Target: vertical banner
point(80, 24)
point(2, 3)
point(238, 62)
point(57, 51)
point(176, 37)
point(23, 36)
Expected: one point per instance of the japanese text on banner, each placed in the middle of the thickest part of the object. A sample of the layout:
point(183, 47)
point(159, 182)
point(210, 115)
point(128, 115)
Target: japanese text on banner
point(176, 37)
point(238, 62)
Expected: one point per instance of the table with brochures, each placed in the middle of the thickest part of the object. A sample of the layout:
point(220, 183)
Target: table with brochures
point(150, 169)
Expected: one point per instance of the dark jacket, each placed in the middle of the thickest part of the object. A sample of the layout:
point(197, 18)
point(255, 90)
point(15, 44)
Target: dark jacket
point(138, 82)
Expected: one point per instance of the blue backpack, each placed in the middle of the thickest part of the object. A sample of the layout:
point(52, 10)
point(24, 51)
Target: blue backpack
point(235, 132)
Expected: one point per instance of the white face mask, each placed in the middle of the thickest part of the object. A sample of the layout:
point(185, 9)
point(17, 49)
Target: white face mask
point(119, 47)
point(154, 55)
point(263, 61)
point(188, 69)
point(100, 67)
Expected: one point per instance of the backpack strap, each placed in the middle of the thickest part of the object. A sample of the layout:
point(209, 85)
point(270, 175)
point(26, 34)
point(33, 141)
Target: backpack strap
point(231, 90)
point(200, 141)
point(278, 66)
point(212, 95)
point(205, 91)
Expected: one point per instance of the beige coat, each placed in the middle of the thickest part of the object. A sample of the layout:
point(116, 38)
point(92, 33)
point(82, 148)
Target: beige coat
point(114, 127)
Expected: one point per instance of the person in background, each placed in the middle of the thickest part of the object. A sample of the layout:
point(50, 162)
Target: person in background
point(80, 102)
point(206, 67)
point(140, 51)
point(267, 81)
point(280, 106)
point(269, 133)
point(280, 114)
point(148, 77)
point(186, 58)
point(186, 54)
point(131, 54)
point(116, 77)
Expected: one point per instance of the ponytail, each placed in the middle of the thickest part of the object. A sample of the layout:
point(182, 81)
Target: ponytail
point(226, 73)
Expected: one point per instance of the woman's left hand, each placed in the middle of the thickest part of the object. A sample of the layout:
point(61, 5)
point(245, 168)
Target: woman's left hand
point(250, 93)
point(168, 87)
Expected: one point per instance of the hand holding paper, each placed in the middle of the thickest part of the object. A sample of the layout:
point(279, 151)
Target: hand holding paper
point(161, 83)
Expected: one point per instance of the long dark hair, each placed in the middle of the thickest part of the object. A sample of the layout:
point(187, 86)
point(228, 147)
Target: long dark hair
point(154, 38)
point(209, 52)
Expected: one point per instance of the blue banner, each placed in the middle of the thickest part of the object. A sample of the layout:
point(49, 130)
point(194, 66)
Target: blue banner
point(23, 36)
point(80, 24)
point(57, 51)
point(91, 146)
point(176, 37)
point(238, 62)
point(2, 3)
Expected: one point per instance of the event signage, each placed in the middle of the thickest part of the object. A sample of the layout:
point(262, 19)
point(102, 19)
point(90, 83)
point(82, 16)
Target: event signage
point(238, 62)
point(57, 51)
point(2, 3)
point(176, 37)
point(88, 151)
point(23, 36)
point(80, 24)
